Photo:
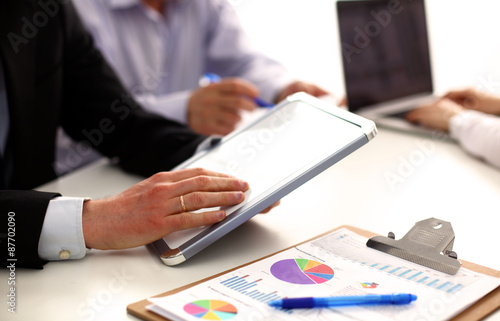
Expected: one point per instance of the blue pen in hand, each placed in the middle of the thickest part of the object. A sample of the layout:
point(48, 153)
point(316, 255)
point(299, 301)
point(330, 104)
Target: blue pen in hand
point(337, 301)
point(214, 78)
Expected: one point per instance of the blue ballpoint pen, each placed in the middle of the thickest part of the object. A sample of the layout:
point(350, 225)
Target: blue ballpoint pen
point(213, 78)
point(337, 301)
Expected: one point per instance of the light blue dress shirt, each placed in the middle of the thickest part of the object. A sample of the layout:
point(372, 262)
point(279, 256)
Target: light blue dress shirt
point(160, 58)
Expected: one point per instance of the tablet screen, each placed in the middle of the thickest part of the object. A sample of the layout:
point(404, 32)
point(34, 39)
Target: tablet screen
point(273, 150)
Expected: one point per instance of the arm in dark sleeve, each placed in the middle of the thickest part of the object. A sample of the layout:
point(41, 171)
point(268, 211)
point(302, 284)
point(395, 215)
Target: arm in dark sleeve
point(98, 110)
point(22, 215)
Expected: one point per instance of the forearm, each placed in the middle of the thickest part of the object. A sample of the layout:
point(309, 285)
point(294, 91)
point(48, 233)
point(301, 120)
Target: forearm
point(268, 76)
point(479, 135)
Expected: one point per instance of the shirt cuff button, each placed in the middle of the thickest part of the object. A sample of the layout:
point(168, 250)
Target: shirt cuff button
point(64, 255)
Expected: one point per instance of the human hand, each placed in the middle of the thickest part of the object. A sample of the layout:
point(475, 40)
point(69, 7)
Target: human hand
point(342, 102)
point(267, 210)
point(215, 109)
point(152, 208)
point(298, 86)
point(436, 115)
point(474, 99)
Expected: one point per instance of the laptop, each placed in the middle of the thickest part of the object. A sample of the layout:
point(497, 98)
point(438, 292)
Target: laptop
point(386, 60)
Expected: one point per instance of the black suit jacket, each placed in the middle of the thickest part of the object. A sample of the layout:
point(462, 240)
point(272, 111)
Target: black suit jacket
point(55, 76)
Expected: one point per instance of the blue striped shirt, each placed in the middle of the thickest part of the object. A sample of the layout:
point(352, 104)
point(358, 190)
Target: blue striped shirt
point(160, 58)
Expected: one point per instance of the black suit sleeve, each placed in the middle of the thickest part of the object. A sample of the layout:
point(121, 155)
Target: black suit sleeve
point(22, 215)
point(68, 82)
point(98, 110)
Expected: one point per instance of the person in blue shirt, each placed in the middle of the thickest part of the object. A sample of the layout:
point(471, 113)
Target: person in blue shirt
point(161, 48)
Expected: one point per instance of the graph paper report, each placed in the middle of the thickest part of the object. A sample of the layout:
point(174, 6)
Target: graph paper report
point(339, 263)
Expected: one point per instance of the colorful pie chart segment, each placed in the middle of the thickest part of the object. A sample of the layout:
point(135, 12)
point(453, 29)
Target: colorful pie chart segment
point(301, 271)
point(211, 310)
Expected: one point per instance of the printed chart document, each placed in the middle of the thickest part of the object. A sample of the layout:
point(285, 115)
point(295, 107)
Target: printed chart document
point(337, 264)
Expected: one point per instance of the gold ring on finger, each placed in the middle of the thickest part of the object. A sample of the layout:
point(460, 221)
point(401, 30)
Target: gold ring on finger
point(183, 205)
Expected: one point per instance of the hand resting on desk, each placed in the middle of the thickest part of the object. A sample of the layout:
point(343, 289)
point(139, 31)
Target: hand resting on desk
point(471, 118)
point(436, 115)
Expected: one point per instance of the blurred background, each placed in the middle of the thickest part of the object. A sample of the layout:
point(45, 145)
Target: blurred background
point(302, 34)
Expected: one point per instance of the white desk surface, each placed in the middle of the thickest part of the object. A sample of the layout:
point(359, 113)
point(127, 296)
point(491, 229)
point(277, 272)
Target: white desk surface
point(444, 183)
point(436, 179)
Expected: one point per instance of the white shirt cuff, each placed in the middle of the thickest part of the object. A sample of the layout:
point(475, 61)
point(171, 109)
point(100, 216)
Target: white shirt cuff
point(457, 122)
point(62, 233)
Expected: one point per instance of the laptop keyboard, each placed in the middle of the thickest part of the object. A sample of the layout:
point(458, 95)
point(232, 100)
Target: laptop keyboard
point(401, 115)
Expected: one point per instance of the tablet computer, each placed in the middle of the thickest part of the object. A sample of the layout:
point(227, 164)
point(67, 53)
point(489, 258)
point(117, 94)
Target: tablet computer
point(278, 152)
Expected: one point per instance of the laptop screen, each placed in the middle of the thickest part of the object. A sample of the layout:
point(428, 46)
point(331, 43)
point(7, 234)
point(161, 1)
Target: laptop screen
point(385, 50)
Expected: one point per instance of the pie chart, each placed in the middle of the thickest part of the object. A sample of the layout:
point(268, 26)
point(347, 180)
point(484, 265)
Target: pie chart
point(211, 310)
point(301, 271)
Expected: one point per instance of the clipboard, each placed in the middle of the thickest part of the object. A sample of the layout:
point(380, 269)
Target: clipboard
point(480, 309)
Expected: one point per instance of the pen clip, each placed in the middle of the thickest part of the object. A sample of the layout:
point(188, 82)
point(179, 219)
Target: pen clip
point(209, 78)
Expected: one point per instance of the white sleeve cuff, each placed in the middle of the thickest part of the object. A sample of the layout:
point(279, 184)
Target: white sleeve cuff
point(478, 134)
point(62, 233)
point(456, 123)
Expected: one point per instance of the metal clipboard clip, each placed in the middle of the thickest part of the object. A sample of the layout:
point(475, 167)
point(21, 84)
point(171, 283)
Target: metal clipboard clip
point(428, 243)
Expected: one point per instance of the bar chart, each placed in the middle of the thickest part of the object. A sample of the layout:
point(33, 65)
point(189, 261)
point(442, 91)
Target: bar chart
point(422, 277)
point(350, 248)
point(245, 286)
